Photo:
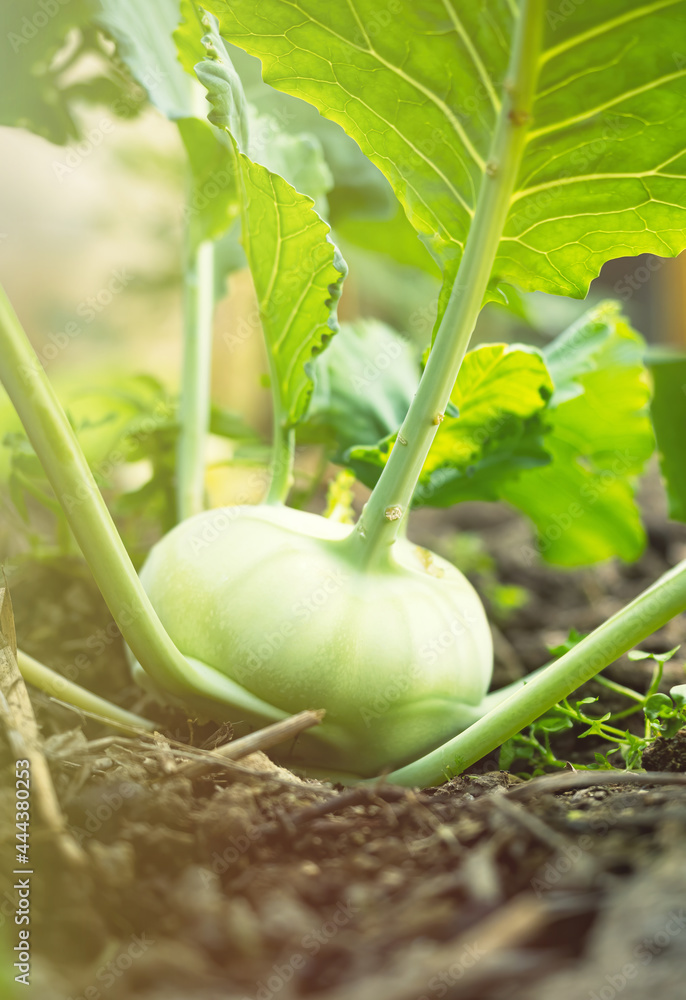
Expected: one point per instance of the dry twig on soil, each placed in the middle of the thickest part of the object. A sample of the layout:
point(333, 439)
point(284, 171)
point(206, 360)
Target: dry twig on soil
point(24, 738)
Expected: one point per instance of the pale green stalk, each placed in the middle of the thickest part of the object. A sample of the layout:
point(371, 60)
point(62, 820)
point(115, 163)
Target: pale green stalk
point(621, 689)
point(390, 499)
point(60, 687)
point(283, 458)
point(194, 409)
point(65, 466)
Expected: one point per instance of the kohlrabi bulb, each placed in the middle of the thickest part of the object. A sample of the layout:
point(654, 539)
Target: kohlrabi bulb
point(399, 655)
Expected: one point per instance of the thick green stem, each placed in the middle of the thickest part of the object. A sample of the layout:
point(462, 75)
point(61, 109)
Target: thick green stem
point(194, 414)
point(67, 469)
point(283, 457)
point(65, 690)
point(391, 497)
point(648, 612)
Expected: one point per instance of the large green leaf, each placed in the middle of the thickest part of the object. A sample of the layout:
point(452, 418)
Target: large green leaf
point(363, 209)
point(499, 401)
point(213, 199)
point(298, 158)
point(599, 440)
point(296, 269)
point(568, 460)
point(668, 412)
point(419, 88)
point(493, 431)
point(297, 273)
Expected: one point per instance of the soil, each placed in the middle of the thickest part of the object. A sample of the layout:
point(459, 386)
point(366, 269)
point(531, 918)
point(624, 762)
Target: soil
point(246, 881)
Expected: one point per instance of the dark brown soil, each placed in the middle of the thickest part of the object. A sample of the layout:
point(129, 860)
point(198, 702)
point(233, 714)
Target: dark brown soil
point(248, 882)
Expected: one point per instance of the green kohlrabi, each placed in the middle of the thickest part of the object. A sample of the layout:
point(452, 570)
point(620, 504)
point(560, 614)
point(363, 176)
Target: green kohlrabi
point(284, 596)
point(527, 148)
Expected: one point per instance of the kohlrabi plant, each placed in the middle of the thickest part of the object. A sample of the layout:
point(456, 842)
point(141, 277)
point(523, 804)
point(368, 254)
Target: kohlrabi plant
point(527, 146)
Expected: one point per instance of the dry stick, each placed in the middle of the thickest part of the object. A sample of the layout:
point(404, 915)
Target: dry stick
point(207, 759)
point(24, 737)
point(549, 784)
point(262, 739)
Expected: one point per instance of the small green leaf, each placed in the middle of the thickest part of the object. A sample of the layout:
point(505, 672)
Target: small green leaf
point(213, 200)
point(670, 727)
point(572, 640)
point(554, 723)
point(363, 386)
point(657, 705)
point(602, 761)
point(508, 754)
point(641, 654)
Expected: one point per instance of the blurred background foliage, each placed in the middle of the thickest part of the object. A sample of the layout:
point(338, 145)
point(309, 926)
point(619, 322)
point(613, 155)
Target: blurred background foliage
point(92, 218)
